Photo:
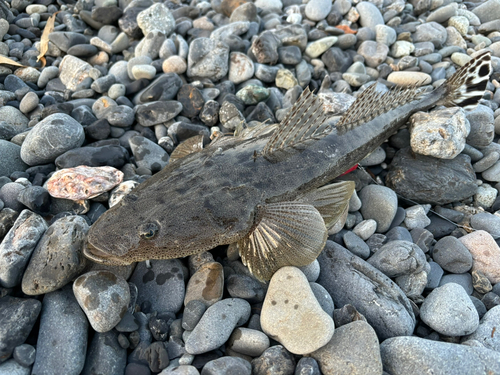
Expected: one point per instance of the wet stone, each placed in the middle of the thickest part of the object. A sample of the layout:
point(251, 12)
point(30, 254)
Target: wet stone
point(206, 284)
point(161, 287)
point(17, 317)
point(18, 245)
point(57, 258)
point(104, 297)
point(355, 287)
point(63, 333)
point(216, 325)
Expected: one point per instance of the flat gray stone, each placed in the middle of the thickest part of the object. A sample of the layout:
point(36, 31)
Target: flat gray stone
point(417, 356)
point(351, 280)
point(17, 246)
point(62, 339)
point(217, 324)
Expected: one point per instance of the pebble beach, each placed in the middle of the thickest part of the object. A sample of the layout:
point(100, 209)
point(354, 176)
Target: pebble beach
point(97, 95)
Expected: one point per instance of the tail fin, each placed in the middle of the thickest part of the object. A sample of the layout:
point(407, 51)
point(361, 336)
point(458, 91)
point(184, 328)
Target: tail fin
point(466, 87)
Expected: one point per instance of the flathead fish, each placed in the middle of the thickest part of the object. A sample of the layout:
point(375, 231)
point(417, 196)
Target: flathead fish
point(270, 190)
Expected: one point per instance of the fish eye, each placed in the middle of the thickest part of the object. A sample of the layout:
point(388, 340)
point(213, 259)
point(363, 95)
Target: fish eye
point(148, 231)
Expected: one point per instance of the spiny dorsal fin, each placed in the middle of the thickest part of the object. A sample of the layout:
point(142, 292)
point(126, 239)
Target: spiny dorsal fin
point(330, 200)
point(305, 121)
point(467, 85)
point(190, 145)
point(285, 234)
point(371, 103)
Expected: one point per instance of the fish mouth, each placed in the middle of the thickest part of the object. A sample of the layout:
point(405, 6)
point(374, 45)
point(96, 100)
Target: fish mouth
point(98, 256)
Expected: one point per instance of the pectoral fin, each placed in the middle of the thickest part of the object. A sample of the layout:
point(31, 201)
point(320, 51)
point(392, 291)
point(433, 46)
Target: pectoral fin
point(285, 234)
point(330, 200)
point(190, 145)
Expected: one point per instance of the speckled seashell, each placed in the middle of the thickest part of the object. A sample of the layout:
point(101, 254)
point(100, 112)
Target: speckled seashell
point(83, 182)
point(120, 191)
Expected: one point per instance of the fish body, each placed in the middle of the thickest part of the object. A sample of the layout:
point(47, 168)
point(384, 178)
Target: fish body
point(267, 193)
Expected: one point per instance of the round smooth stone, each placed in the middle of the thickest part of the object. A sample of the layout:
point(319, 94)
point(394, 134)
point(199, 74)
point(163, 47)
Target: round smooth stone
point(143, 71)
point(407, 78)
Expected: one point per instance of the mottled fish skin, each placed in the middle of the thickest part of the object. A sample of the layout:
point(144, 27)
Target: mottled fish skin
point(211, 197)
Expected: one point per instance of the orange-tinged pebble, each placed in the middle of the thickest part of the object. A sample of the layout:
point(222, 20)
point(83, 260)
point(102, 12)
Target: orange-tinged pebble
point(346, 29)
point(83, 182)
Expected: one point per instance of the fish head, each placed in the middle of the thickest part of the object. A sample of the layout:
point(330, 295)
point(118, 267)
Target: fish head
point(142, 226)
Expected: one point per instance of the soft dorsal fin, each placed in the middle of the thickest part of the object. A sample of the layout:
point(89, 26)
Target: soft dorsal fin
point(371, 103)
point(467, 85)
point(190, 145)
point(330, 200)
point(304, 122)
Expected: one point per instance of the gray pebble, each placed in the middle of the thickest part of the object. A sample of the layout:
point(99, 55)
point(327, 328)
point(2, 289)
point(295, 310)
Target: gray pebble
point(355, 343)
point(105, 355)
point(452, 255)
point(463, 279)
point(398, 258)
point(245, 287)
point(208, 58)
point(11, 158)
point(356, 245)
point(63, 334)
point(216, 325)
point(342, 277)
point(484, 333)
point(369, 15)
point(380, 204)
point(24, 355)
point(9, 194)
point(50, 138)
point(311, 271)
point(11, 367)
point(227, 366)
point(488, 222)
point(17, 318)
point(249, 342)
point(193, 311)
point(148, 154)
point(324, 298)
point(415, 355)
point(275, 357)
point(17, 246)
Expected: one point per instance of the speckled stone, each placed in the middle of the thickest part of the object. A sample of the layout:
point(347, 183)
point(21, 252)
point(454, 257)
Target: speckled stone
point(58, 257)
point(104, 298)
point(148, 154)
point(161, 287)
point(206, 284)
point(291, 314)
point(83, 182)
